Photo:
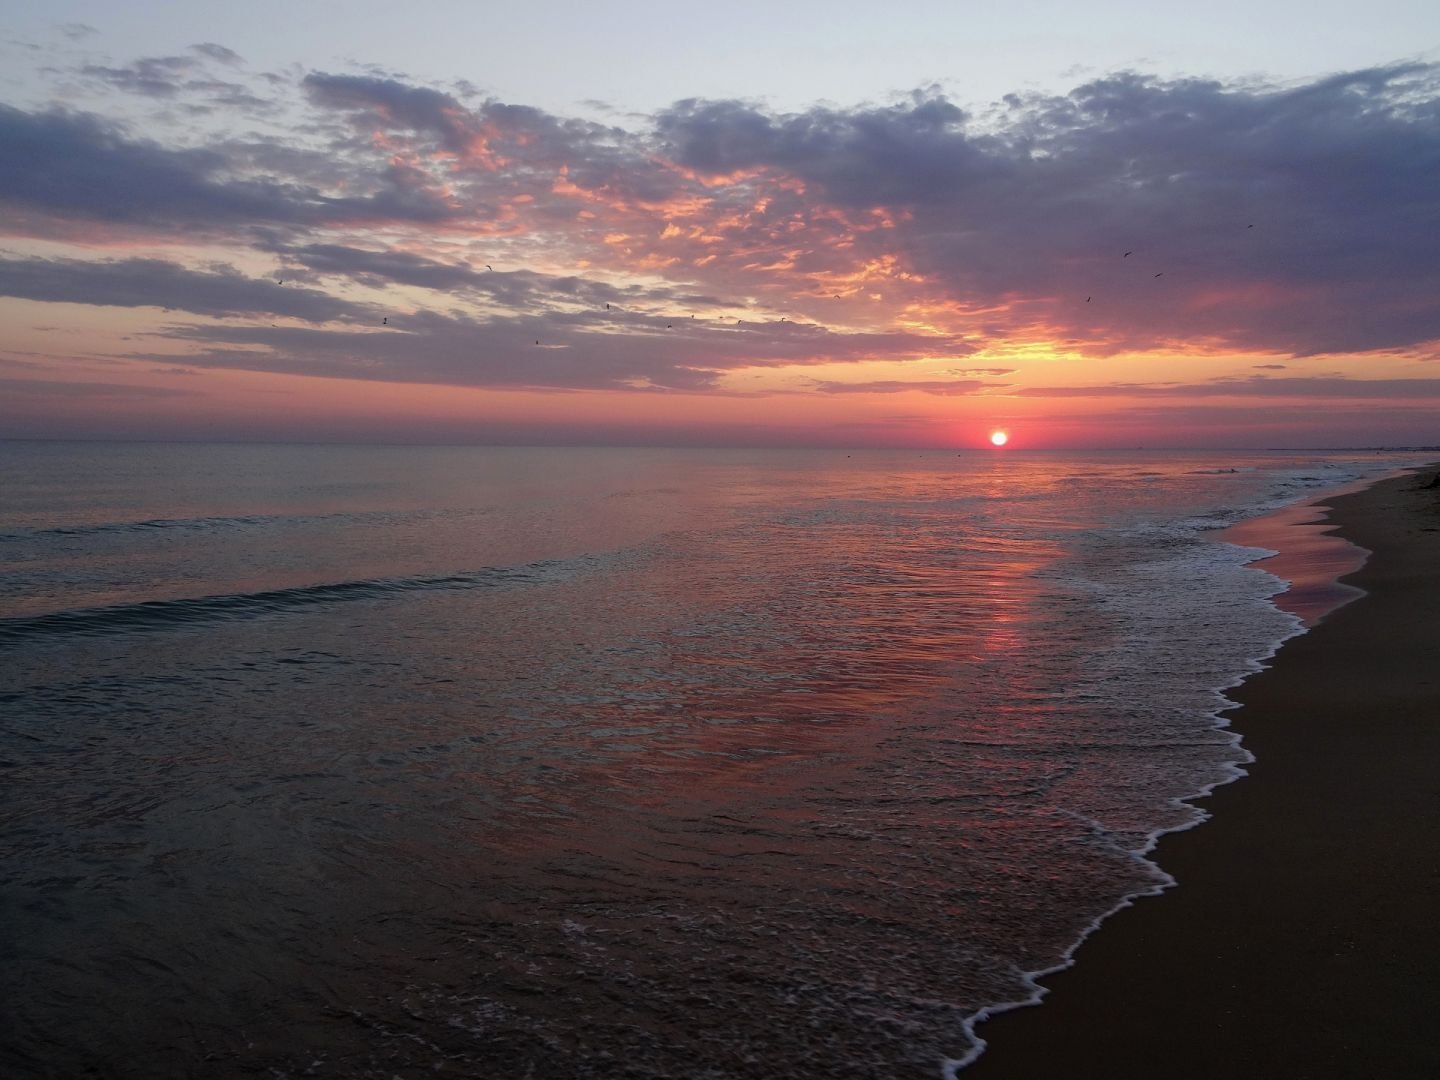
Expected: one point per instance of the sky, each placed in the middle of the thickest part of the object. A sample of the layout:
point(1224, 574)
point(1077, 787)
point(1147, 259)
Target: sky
point(842, 225)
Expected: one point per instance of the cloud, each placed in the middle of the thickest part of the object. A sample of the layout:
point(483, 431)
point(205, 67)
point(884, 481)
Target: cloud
point(521, 290)
point(1252, 386)
point(75, 166)
point(50, 389)
point(166, 76)
point(390, 102)
point(551, 349)
point(162, 284)
point(156, 76)
point(897, 386)
point(918, 152)
point(1291, 221)
point(498, 159)
point(1278, 425)
point(381, 267)
point(218, 52)
point(1037, 203)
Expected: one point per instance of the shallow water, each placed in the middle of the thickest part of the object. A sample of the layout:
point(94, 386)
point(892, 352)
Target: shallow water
point(615, 763)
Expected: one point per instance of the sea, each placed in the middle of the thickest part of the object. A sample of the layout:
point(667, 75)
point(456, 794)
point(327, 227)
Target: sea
point(400, 762)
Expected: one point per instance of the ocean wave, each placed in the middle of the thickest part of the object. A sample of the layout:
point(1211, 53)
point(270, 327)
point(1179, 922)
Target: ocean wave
point(229, 607)
point(209, 524)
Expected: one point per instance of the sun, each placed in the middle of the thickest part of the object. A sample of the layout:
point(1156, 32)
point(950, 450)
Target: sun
point(999, 438)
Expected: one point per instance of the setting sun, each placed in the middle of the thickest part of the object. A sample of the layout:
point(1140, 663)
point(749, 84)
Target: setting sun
point(999, 438)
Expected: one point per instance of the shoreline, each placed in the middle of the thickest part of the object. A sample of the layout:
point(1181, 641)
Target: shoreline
point(1309, 555)
point(1299, 940)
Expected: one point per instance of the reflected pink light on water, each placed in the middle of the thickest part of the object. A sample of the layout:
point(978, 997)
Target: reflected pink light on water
point(1311, 559)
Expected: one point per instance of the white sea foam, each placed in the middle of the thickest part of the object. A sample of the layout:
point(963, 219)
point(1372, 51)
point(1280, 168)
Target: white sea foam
point(1174, 592)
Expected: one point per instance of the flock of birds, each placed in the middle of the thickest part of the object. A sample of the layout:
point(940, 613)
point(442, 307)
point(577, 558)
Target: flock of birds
point(1161, 274)
point(385, 321)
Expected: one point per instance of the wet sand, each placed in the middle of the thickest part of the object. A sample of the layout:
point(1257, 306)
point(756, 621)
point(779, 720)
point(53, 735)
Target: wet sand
point(1303, 937)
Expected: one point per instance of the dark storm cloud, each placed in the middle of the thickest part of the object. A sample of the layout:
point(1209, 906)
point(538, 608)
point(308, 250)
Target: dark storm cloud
point(157, 283)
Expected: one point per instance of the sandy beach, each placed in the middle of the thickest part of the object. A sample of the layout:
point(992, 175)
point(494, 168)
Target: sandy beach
point(1302, 939)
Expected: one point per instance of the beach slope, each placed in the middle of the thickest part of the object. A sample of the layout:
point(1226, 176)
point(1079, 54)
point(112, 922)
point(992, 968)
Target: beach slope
point(1303, 937)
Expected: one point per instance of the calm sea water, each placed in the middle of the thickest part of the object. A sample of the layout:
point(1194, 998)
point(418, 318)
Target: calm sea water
point(390, 762)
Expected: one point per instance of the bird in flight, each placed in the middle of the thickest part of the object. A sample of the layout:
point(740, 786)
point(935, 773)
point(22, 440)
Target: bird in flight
point(1087, 299)
point(385, 321)
point(1160, 274)
point(1127, 254)
point(489, 267)
point(607, 307)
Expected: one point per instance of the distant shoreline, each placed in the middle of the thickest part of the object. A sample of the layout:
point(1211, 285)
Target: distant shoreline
point(1301, 939)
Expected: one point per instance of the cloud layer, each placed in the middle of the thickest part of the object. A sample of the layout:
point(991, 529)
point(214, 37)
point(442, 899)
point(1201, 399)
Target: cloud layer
point(364, 226)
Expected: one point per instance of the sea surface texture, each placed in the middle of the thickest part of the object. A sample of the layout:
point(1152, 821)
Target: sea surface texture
point(406, 762)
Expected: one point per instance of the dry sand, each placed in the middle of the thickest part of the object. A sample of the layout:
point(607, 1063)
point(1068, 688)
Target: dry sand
point(1303, 938)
